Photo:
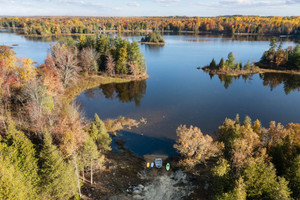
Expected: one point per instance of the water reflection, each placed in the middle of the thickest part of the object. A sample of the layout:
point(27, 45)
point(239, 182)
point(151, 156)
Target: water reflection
point(290, 82)
point(132, 91)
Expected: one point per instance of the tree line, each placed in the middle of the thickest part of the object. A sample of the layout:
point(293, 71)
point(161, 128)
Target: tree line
point(224, 24)
point(246, 160)
point(46, 144)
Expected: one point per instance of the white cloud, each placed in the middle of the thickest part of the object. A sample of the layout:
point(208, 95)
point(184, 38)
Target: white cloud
point(248, 3)
point(253, 3)
point(166, 1)
point(133, 4)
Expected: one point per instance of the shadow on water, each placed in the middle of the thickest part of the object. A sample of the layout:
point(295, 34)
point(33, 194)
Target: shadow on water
point(290, 82)
point(142, 145)
point(132, 91)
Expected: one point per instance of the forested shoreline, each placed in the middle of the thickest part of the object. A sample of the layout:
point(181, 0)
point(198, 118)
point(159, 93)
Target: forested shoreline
point(276, 59)
point(46, 144)
point(245, 161)
point(236, 25)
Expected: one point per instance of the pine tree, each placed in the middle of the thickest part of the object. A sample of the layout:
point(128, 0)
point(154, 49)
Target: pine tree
point(230, 62)
point(213, 64)
point(247, 66)
point(99, 134)
point(57, 177)
point(121, 67)
point(262, 183)
point(89, 155)
point(13, 185)
point(222, 64)
point(237, 66)
point(21, 153)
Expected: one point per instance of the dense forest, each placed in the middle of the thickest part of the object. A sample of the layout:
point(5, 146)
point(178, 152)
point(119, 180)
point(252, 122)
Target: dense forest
point(224, 24)
point(46, 145)
point(245, 161)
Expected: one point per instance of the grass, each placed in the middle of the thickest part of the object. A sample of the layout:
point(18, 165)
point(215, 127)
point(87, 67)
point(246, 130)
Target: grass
point(255, 70)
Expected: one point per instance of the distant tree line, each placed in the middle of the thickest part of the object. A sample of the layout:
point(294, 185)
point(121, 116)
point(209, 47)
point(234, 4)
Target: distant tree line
point(245, 161)
point(224, 24)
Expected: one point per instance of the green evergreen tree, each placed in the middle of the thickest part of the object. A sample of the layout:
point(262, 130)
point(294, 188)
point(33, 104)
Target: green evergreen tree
point(89, 155)
point(238, 193)
point(237, 66)
point(13, 185)
point(21, 153)
point(222, 64)
point(57, 177)
point(294, 177)
point(294, 58)
point(213, 64)
point(247, 66)
point(230, 62)
point(135, 56)
point(262, 183)
point(121, 64)
point(99, 134)
point(241, 65)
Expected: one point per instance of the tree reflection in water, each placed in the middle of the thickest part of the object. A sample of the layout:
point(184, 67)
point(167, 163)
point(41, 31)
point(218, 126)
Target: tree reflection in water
point(125, 92)
point(290, 82)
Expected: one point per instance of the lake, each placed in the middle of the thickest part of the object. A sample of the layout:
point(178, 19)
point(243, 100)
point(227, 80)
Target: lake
point(177, 93)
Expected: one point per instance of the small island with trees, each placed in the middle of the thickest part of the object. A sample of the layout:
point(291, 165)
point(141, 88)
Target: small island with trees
point(153, 38)
point(275, 59)
point(230, 67)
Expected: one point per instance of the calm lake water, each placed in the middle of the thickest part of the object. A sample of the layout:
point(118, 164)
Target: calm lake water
point(177, 93)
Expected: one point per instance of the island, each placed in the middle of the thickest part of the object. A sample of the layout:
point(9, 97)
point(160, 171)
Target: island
point(153, 38)
point(275, 59)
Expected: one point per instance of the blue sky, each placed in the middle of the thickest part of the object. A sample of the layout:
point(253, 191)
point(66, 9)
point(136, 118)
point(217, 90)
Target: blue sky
point(149, 7)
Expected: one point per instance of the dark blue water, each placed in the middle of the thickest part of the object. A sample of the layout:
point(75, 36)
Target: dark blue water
point(177, 93)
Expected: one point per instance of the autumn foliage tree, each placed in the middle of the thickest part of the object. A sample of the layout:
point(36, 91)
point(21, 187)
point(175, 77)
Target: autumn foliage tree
point(66, 62)
point(255, 163)
point(194, 146)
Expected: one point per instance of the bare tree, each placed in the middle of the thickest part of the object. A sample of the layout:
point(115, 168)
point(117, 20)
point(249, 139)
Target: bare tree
point(88, 60)
point(132, 69)
point(66, 62)
point(110, 65)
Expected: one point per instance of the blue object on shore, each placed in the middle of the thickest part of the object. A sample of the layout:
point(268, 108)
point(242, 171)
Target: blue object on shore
point(152, 164)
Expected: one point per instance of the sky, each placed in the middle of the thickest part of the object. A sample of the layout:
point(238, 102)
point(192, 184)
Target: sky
point(149, 7)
